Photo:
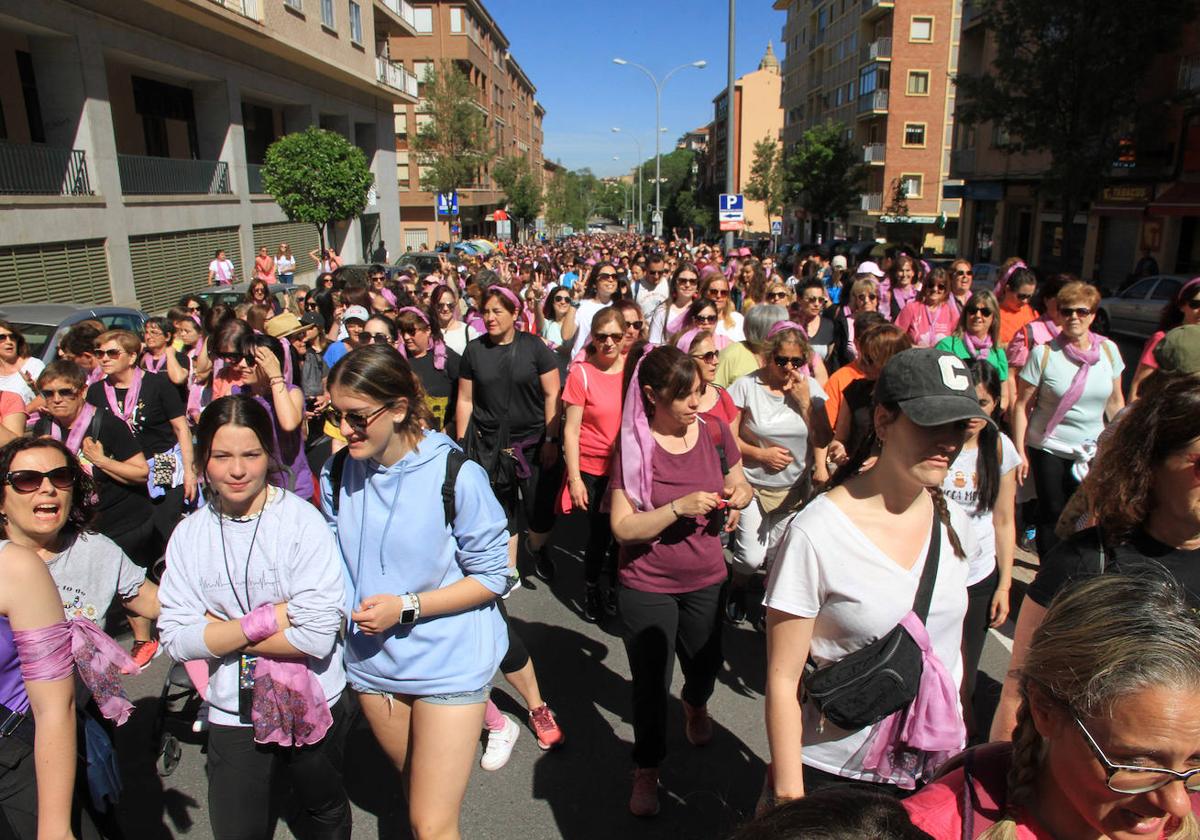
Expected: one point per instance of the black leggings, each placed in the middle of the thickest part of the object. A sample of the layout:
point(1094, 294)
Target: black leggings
point(657, 628)
point(517, 656)
point(600, 557)
point(1055, 485)
point(240, 773)
point(975, 627)
point(18, 795)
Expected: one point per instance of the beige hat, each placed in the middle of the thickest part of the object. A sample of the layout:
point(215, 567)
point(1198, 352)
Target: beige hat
point(283, 325)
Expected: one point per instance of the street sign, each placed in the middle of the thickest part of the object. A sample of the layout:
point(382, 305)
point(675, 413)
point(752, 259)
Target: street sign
point(731, 208)
point(735, 224)
point(447, 204)
point(776, 228)
point(455, 229)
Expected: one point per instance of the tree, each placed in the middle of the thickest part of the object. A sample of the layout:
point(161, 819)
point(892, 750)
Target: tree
point(823, 173)
point(453, 146)
point(522, 193)
point(317, 176)
point(1066, 80)
point(766, 178)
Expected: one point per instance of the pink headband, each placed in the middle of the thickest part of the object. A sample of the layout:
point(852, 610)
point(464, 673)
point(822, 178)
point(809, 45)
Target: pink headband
point(1009, 273)
point(388, 296)
point(1191, 284)
point(637, 444)
point(437, 345)
point(784, 326)
point(506, 293)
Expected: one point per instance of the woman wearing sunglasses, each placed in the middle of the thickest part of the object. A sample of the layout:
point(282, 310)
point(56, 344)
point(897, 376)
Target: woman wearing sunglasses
point(591, 422)
point(820, 330)
point(1184, 309)
point(714, 400)
point(977, 336)
point(1066, 391)
point(435, 364)
point(444, 307)
point(18, 370)
point(729, 323)
point(862, 296)
point(635, 324)
point(254, 587)
point(558, 318)
point(781, 419)
point(599, 293)
point(667, 319)
point(259, 295)
point(701, 315)
point(930, 317)
point(1108, 729)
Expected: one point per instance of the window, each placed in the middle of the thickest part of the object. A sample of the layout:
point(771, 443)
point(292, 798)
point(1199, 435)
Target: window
point(837, 100)
point(456, 21)
point(914, 134)
point(423, 19)
point(420, 68)
point(918, 82)
point(355, 22)
point(327, 19)
point(920, 29)
point(868, 80)
point(402, 124)
point(298, 5)
point(402, 167)
point(423, 120)
point(912, 185)
point(849, 91)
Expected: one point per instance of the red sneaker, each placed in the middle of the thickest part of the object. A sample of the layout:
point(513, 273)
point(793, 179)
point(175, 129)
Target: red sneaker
point(549, 734)
point(699, 727)
point(643, 801)
point(143, 653)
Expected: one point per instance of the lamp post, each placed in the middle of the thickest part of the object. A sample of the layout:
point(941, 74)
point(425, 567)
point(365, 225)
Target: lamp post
point(658, 86)
point(639, 180)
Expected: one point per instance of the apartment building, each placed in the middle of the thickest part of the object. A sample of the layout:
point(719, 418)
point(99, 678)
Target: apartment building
point(881, 69)
point(463, 31)
point(757, 115)
point(1150, 203)
point(132, 136)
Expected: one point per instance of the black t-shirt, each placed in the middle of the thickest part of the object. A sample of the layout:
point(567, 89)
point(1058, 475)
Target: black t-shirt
point(1079, 556)
point(185, 362)
point(859, 396)
point(158, 404)
point(441, 386)
point(504, 389)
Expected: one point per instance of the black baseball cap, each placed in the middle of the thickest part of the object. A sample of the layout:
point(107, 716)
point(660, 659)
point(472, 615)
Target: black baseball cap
point(313, 319)
point(931, 387)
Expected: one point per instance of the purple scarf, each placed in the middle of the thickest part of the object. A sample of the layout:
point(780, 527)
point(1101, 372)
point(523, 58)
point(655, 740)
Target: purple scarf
point(909, 745)
point(76, 433)
point(131, 397)
point(979, 348)
point(154, 365)
point(637, 443)
point(436, 345)
point(1085, 359)
point(904, 295)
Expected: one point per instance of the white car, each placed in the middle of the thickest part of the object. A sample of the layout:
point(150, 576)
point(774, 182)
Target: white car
point(1136, 311)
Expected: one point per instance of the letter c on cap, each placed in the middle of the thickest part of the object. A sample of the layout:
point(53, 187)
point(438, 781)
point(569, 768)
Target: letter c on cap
point(954, 373)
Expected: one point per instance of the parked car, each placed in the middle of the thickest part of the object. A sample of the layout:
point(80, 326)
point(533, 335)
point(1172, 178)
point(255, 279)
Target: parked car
point(426, 262)
point(984, 276)
point(44, 324)
point(235, 294)
point(1137, 310)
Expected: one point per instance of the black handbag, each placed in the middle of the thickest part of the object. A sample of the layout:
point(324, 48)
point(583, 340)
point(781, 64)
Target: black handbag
point(875, 681)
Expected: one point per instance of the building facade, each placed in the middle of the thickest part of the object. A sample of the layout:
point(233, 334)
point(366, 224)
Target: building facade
point(133, 134)
point(881, 69)
point(463, 31)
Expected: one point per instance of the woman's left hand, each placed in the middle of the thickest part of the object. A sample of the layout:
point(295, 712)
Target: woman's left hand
point(190, 487)
point(731, 521)
point(738, 495)
point(549, 454)
point(267, 362)
point(999, 608)
point(378, 613)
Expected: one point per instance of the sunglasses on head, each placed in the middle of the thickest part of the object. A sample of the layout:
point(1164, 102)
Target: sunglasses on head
point(30, 481)
point(356, 421)
point(708, 358)
point(978, 310)
point(110, 353)
point(64, 393)
point(795, 362)
point(1077, 311)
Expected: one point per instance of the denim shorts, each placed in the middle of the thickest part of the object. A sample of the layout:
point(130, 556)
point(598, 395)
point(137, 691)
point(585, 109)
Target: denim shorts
point(454, 698)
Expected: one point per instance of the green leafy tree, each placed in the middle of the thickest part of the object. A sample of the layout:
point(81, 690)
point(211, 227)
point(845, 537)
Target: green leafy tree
point(453, 147)
point(824, 174)
point(1066, 80)
point(522, 193)
point(766, 178)
point(317, 176)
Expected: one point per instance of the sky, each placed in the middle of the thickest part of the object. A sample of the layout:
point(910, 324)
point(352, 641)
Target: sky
point(566, 47)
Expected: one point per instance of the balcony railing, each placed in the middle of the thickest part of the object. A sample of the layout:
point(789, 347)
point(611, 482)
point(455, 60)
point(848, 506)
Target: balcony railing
point(877, 49)
point(872, 5)
point(972, 12)
point(874, 101)
point(395, 76)
point(245, 8)
point(874, 152)
point(962, 161)
point(142, 175)
point(402, 9)
point(42, 170)
point(254, 179)
point(872, 202)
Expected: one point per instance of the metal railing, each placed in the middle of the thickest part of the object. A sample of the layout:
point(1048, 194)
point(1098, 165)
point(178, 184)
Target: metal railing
point(874, 101)
point(870, 5)
point(245, 8)
point(962, 161)
point(403, 9)
point(34, 169)
point(872, 202)
point(879, 48)
point(874, 152)
point(254, 179)
point(141, 175)
point(394, 75)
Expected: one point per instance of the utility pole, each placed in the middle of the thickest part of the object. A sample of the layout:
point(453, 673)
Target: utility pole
point(730, 178)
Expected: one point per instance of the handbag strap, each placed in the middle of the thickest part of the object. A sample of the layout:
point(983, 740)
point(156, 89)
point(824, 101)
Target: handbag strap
point(929, 573)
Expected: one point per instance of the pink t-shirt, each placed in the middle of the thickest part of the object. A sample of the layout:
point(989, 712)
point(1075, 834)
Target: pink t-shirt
point(600, 395)
point(687, 555)
point(10, 403)
point(927, 327)
point(724, 407)
point(1147, 358)
point(1035, 333)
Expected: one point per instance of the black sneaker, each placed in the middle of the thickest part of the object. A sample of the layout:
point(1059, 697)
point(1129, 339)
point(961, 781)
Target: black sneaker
point(543, 563)
point(592, 603)
point(610, 601)
point(735, 606)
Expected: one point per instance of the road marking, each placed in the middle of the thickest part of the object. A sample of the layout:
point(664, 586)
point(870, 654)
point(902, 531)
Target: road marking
point(1001, 638)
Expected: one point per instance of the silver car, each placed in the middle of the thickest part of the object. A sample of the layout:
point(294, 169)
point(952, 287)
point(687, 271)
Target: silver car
point(44, 324)
point(1136, 311)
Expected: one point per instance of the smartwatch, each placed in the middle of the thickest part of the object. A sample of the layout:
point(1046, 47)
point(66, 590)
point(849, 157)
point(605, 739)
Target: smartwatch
point(412, 608)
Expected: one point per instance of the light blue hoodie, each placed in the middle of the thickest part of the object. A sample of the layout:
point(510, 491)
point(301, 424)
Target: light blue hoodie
point(391, 528)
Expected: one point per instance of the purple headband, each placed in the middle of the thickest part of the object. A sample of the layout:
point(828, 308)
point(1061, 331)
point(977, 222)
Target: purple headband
point(1009, 273)
point(388, 296)
point(684, 342)
point(437, 345)
point(507, 293)
point(1191, 284)
point(637, 444)
point(783, 326)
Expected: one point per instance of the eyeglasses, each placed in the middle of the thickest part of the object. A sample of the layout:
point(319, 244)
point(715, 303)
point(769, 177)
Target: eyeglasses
point(561, 298)
point(355, 421)
point(813, 299)
point(444, 307)
point(782, 296)
point(634, 325)
point(718, 294)
point(709, 358)
point(1024, 296)
point(61, 393)
point(705, 319)
point(605, 338)
point(233, 358)
point(379, 277)
point(1192, 304)
point(110, 353)
point(7, 337)
point(937, 287)
point(683, 281)
point(1123, 778)
point(657, 271)
point(1077, 311)
point(961, 273)
point(30, 481)
point(978, 310)
point(376, 338)
point(795, 362)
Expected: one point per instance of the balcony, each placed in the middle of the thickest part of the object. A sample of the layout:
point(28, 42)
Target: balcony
point(879, 49)
point(403, 10)
point(814, 81)
point(245, 8)
point(874, 102)
point(254, 179)
point(874, 152)
point(142, 175)
point(873, 8)
point(872, 202)
point(962, 162)
point(394, 75)
point(42, 170)
point(972, 13)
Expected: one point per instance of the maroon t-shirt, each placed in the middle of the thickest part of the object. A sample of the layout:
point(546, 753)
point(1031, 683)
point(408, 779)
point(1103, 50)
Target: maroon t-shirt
point(687, 555)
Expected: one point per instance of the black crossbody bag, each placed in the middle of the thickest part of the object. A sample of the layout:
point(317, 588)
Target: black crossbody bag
point(871, 683)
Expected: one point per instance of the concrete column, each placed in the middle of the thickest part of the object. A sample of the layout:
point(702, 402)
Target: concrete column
point(297, 118)
point(222, 137)
point(383, 164)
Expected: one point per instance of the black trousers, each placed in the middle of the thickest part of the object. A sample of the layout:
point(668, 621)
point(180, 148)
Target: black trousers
point(975, 627)
point(600, 556)
point(240, 773)
point(1055, 485)
point(18, 795)
point(657, 628)
point(815, 780)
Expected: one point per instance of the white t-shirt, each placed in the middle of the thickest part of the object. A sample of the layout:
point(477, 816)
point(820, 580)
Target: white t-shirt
point(651, 298)
point(962, 485)
point(16, 383)
point(1085, 420)
point(222, 270)
point(285, 265)
point(827, 569)
point(773, 420)
point(583, 322)
point(660, 319)
point(734, 333)
point(457, 339)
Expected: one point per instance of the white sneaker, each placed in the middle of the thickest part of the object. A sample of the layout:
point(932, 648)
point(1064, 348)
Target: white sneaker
point(500, 745)
point(201, 722)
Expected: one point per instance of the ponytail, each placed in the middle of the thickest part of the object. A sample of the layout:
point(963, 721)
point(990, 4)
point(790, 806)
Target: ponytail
point(1022, 775)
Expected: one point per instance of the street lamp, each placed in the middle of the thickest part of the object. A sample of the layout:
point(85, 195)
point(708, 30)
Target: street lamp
point(658, 86)
point(639, 184)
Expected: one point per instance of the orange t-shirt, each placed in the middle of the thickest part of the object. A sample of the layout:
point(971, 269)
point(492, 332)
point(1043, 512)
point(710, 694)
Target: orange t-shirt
point(835, 389)
point(1011, 322)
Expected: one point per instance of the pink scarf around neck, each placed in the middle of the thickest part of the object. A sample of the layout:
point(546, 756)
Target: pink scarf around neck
point(77, 432)
point(1085, 359)
point(131, 397)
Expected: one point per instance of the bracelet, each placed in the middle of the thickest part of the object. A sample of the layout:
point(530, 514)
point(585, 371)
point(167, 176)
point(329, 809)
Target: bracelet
point(674, 512)
point(275, 379)
point(412, 608)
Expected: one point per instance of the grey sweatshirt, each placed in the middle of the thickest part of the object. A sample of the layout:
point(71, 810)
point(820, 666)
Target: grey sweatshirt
point(294, 558)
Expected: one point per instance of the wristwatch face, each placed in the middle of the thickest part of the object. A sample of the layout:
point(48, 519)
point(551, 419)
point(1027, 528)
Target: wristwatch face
point(408, 616)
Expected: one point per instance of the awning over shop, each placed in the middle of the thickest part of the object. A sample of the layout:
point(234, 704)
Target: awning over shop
point(1178, 200)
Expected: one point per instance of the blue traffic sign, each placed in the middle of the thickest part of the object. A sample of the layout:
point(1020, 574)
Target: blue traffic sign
point(776, 228)
point(447, 204)
point(732, 203)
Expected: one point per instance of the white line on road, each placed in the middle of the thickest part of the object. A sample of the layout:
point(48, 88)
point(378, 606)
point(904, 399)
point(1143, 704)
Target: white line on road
point(1002, 639)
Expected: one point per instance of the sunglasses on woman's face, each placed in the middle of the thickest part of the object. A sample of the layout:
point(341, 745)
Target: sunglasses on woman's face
point(636, 326)
point(937, 287)
point(706, 319)
point(375, 338)
point(684, 281)
point(1024, 297)
point(795, 362)
point(777, 296)
point(7, 337)
point(605, 338)
point(110, 353)
point(562, 298)
point(979, 310)
point(1077, 311)
point(355, 421)
point(232, 358)
point(30, 481)
point(1192, 304)
point(813, 299)
point(195, 309)
point(61, 393)
point(718, 294)
point(709, 358)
